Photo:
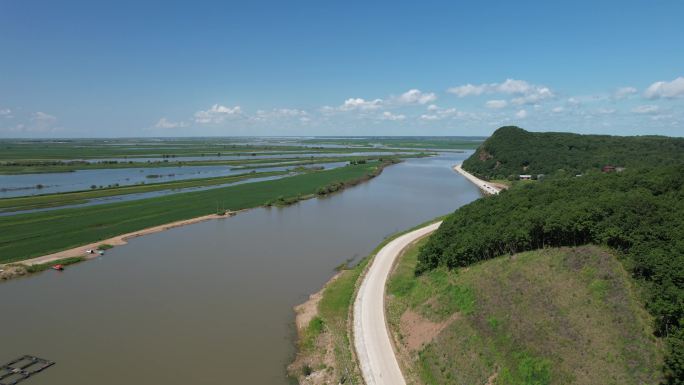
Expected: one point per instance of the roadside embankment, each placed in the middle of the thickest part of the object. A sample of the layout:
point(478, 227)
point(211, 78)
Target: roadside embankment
point(487, 187)
point(324, 323)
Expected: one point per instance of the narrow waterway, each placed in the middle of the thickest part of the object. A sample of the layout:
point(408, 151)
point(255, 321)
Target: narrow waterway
point(212, 303)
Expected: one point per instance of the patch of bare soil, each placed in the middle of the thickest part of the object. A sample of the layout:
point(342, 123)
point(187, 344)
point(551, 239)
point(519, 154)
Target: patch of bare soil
point(315, 367)
point(11, 271)
point(419, 331)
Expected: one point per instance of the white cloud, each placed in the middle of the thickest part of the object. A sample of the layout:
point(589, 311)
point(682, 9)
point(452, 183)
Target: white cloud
point(432, 107)
point(522, 114)
point(43, 117)
point(469, 90)
point(525, 92)
point(415, 96)
point(496, 104)
point(361, 104)
point(528, 92)
point(429, 117)
point(165, 123)
point(390, 116)
point(606, 111)
point(534, 96)
point(6, 112)
point(217, 114)
point(646, 109)
point(624, 92)
point(558, 110)
point(666, 90)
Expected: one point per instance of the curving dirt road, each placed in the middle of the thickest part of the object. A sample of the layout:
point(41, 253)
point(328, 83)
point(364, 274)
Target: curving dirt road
point(372, 341)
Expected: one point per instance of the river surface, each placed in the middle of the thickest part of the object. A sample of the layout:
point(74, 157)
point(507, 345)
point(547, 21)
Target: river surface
point(211, 303)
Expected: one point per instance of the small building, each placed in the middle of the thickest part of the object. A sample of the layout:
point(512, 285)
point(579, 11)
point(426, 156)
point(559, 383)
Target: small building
point(608, 168)
point(525, 177)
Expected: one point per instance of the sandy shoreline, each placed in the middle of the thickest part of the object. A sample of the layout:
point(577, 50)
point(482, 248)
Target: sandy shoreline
point(488, 188)
point(118, 240)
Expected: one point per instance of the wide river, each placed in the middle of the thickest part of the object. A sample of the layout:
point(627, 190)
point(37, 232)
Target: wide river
point(212, 303)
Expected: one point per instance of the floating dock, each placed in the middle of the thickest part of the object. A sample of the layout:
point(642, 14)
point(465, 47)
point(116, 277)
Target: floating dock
point(22, 368)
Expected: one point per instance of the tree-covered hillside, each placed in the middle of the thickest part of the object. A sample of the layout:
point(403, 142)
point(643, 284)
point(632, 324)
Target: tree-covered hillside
point(639, 214)
point(512, 151)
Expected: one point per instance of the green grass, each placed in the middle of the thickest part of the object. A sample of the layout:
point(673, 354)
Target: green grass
point(119, 148)
point(553, 316)
point(44, 266)
point(334, 310)
point(76, 197)
point(28, 235)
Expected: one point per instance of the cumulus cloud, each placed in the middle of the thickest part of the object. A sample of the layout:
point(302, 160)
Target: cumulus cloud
point(432, 107)
point(624, 92)
point(415, 96)
point(165, 123)
point(558, 110)
point(525, 92)
point(496, 104)
point(5, 112)
point(666, 90)
point(646, 109)
point(393, 117)
point(217, 114)
point(522, 114)
point(469, 90)
point(429, 117)
point(361, 104)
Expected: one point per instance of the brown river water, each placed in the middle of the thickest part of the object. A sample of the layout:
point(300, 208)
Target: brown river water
point(211, 303)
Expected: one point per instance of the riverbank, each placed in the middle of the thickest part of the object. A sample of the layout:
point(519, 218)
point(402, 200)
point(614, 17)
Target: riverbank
point(325, 326)
point(323, 187)
point(27, 236)
point(486, 187)
point(14, 270)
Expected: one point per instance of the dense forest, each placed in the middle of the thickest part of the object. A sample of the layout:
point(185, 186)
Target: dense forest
point(638, 212)
point(512, 151)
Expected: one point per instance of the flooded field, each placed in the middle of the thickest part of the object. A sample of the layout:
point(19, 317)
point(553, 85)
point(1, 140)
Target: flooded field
point(25, 184)
point(212, 303)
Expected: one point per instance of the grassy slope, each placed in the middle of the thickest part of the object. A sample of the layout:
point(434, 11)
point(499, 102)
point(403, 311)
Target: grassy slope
point(29, 235)
point(553, 316)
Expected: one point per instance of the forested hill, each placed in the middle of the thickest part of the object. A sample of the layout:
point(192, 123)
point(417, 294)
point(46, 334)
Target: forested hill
point(639, 215)
point(512, 151)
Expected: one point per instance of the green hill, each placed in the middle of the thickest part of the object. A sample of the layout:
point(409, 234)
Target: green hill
point(553, 316)
point(637, 213)
point(512, 151)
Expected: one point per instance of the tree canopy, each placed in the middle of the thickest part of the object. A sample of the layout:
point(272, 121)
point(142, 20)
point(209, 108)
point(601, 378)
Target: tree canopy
point(512, 151)
point(639, 213)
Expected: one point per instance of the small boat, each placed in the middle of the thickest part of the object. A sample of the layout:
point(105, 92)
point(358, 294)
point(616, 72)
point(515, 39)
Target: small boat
point(100, 252)
point(58, 267)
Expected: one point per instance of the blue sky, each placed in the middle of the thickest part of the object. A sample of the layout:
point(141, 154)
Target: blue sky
point(123, 68)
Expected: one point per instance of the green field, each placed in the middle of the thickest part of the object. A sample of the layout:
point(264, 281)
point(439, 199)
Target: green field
point(415, 142)
point(121, 148)
point(552, 316)
point(77, 197)
point(28, 235)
